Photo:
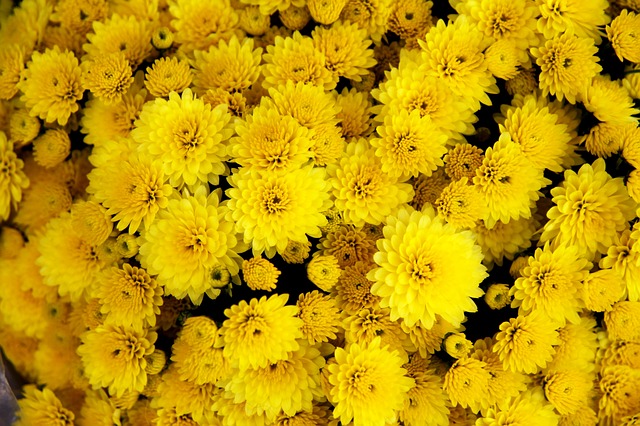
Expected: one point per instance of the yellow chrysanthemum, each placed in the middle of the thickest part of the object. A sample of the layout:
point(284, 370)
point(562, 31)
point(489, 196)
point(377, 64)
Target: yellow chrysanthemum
point(523, 83)
point(162, 38)
point(411, 19)
point(289, 385)
point(253, 22)
point(260, 332)
point(12, 178)
point(42, 407)
point(601, 289)
point(271, 142)
point(326, 12)
point(260, 274)
point(167, 75)
point(320, 316)
point(373, 15)
point(271, 210)
point(620, 390)
point(497, 296)
point(453, 54)
point(368, 324)
point(133, 191)
point(295, 17)
point(324, 271)
point(355, 113)
point(426, 400)
point(369, 384)
point(114, 357)
point(199, 25)
point(567, 390)
point(23, 128)
point(590, 209)
point(605, 139)
point(462, 161)
point(186, 242)
point(457, 345)
point(550, 284)
point(51, 85)
point(466, 381)
point(362, 191)
point(409, 144)
point(108, 77)
point(567, 63)
point(609, 101)
point(327, 144)
point(519, 411)
point(128, 35)
point(582, 18)
point(51, 148)
point(508, 181)
point(296, 252)
point(309, 104)
point(296, 59)
point(185, 137)
point(622, 33)
point(622, 256)
point(349, 245)
point(525, 344)
point(236, 102)
point(353, 290)
point(129, 297)
point(577, 348)
point(12, 60)
point(232, 66)
point(66, 13)
point(502, 59)
point(505, 240)
point(622, 320)
point(460, 204)
point(413, 277)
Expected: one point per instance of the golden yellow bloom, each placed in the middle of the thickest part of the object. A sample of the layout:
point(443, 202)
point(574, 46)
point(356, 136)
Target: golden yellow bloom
point(296, 252)
point(324, 271)
point(186, 242)
point(601, 289)
point(270, 209)
point(466, 382)
point(327, 144)
point(66, 13)
point(108, 77)
point(326, 12)
point(585, 19)
point(411, 19)
point(253, 22)
point(620, 389)
point(462, 161)
point(497, 296)
point(525, 344)
point(568, 390)
point(91, 222)
point(369, 384)
point(349, 245)
point(128, 35)
point(236, 102)
point(296, 59)
point(162, 38)
point(353, 290)
point(295, 17)
point(605, 139)
point(309, 104)
point(502, 59)
point(428, 188)
point(51, 85)
point(426, 400)
point(355, 113)
point(373, 15)
point(505, 240)
point(460, 204)
point(567, 63)
point(260, 274)
point(156, 362)
point(413, 278)
point(51, 148)
point(518, 265)
point(23, 128)
point(622, 33)
point(12, 178)
point(320, 316)
point(457, 345)
point(523, 83)
point(185, 137)
point(114, 357)
point(232, 66)
point(167, 75)
point(129, 297)
point(518, 411)
point(577, 348)
point(12, 60)
point(622, 320)
point(233, 413)
point(260, 332)
point(42, 407)
point(608, 101)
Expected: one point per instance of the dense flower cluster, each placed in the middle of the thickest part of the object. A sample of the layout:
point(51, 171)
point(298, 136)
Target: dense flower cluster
point(321, 212)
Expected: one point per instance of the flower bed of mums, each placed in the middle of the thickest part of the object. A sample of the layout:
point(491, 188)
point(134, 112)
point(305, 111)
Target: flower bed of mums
point(321, 212)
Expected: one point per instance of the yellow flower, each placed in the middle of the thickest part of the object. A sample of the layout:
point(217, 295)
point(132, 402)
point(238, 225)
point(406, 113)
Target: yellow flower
point(200, 25)
point(366, 325)
point(567, 63)
point(271, 210)
point(568, 390)
point(505, 240)
point(577, 348)
point(497, 296)
point(622, 33)
point(414, 277)
point(519, 411)
point(128, 35)
point(326, 12)
point(608, 101)
point(232, 66)
point(372, 15)
point(91, 221)
point(457, 345)
point(320, 316)
point(260, 274)
point(114, 357)
point(156, 362)
point(346, 49)
point(51, 148)
point(12, 178)
point(167, 75)
point(502, 59)
point(523, 83)
point(349, 245)
point(582, 18)
point(289, 385)
point(66, 13)
point(23, 128)
point(327, 144)
point(623, 320)
point(296, 252)
point(362, 191)
point(186, 242)
point(42, 407)
point(369, 384)
point(353, 290)
point(296, 59)
point(12, 60)
point(409, 145)
point(508, 181)
point(601, 289)
point(355, 113)
point(58, 347)
point(324, 271)
point(466, 382)
point(260, 332)
point(460, 204)
point(590, 209)
point(133, 191)
point(51, 85)
point(453, 54)
point(271, 142)
point(605, 139)
point(426, 400)
point(185, 137)
point(620, 390)
point(428, 188)
point(253, 22)
point(162, 38)
point(129, 297)
point(108, 77)
point(411, 19)
point(525, 344)
point(236, 102)
point(551, 283)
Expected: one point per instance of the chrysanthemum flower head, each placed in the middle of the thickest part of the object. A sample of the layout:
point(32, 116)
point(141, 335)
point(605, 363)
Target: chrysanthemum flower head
point(411, 19)
point(12, 179)
point(605, 139)
point(577, 348)
point(369, 384)
point(567, 390)
point(42, 407)
point(253, 22)
point(525, 344)
point(167, 75)
point(519, 411)
point(23, 127)
point(590, 209)
point(12, 60)
point(462, 161)
point(355, 113)
point(622, 321)
point(601, 289)
point(309, 104)
point(114, 357)
point(51, 148)
point(497, 296)
point(273, 209)
point(502, 59)
point(232, 66)
point(186, 242)
point(296, 252)
point(353, 290)
point(622, 32)
point(129, 35)
point(261, 331)
point(185, 136)
point(326, 12)
point(320, 316)
point(295, 18)
point(457, 345)
point(91, 221)
point(620, 389)
point(584, 19)
point(108, 77)
point(461, 204)
point(162, 38)
point(568, 63)
point(327, 144)
point(426, 400)
point(466, 381)
point(414, 277)
point(523, 83)
point(201, 25)
point(608, 101)
point(260, 274)
point(367, 324)
point(508, 181)
point(51, 85)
